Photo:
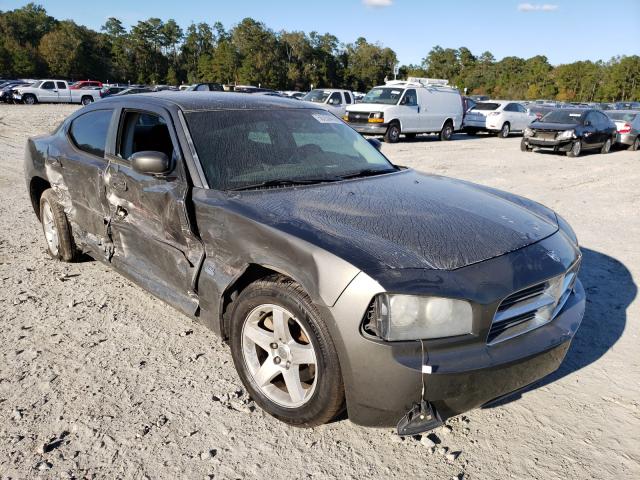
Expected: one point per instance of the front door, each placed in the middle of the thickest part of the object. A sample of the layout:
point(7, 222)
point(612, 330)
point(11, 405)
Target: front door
point(48, 92)
point(409, 111)
point(151, 233)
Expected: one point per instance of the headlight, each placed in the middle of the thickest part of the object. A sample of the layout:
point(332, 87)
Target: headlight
point(376, 117)
point(528, 132)
point(412, 317)
point(567, 134)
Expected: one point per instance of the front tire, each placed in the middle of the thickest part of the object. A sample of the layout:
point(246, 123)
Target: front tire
point(446, 132)
point(524, 146)
point(56, 228)
point(606, 148)
point(576, 149)
point(29, 99)
point(505, 130)
point(392, 134)
point(284, 354)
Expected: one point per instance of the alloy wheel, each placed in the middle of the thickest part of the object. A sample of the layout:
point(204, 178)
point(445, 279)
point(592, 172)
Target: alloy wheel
point(504, 133)
point(279, 355)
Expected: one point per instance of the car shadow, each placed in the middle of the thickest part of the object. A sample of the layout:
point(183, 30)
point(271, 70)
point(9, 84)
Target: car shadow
point(610, 289)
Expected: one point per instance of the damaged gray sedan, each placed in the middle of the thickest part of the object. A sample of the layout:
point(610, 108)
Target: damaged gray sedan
point(339, 279)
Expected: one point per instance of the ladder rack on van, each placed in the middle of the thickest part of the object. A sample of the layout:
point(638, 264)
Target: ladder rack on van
point(420, 82)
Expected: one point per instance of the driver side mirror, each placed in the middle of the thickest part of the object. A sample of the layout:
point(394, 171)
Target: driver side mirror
point(150, 162)
point(334, 101)
point(375, 142)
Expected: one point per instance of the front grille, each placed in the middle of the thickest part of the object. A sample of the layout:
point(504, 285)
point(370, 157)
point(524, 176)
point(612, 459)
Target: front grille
point(545, 135)
point(358, 117)
point(532, 307)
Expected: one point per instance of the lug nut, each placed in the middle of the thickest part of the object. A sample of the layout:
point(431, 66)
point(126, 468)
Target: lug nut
point(277, 360)
point(288, 364)
point(273, 345)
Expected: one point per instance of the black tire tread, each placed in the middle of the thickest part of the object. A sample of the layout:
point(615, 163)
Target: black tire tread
point(67, 251)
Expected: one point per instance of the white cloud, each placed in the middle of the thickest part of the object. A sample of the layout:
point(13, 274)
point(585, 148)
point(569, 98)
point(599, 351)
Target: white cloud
point(377, 3)
point(537, 7)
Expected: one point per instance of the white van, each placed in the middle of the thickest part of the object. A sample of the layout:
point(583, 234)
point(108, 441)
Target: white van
point(418, 105)
point(333, 100)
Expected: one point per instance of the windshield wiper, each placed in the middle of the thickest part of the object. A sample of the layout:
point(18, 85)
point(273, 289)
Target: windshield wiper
point(367, 172)
point(284, 182)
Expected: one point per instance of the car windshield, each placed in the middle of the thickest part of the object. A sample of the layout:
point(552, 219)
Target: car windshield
point(624, 116)
point(563, 116)
point(36, 84)
point(243, 148)
point(317, 96)
point(486, 106)
point(383, 95)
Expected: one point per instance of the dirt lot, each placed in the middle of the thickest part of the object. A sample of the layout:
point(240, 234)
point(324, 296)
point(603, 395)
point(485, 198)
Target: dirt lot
point(100, 380)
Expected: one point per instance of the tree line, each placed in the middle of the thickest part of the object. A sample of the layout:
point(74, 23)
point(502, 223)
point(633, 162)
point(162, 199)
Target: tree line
point(153, 51)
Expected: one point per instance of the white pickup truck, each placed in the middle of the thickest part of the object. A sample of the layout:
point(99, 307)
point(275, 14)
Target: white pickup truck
point(54, 91)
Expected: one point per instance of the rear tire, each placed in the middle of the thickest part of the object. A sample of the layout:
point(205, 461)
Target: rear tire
point(505, 130)
point(56, 228)
point(635, 146)
point(446, 132)
point(606, 148)
point(576, 149)
point(392, 134)
point(273, 321)
point(29, 99)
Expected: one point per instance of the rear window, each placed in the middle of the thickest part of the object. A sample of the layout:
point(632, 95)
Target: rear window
point(624, 116)
point(89, 131)
point(486, 106)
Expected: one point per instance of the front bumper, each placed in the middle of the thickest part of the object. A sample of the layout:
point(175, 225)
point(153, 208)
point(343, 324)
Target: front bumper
point(383, 380)
point(370, 128)
point(626, 138)
point(557, 145)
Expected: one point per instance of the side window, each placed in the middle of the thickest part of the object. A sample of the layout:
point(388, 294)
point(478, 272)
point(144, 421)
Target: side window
point(61, 86)
point(511, 107)
point(520, 108)
point(411, 98)
point(335, 99)
point(591, 118)
point(347, 97)
point(89, 132)
point(603, 120)
point(47, 86)
point(141, 131)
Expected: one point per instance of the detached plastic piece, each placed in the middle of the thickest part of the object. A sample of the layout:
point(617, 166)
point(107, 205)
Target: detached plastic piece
point(421, 418)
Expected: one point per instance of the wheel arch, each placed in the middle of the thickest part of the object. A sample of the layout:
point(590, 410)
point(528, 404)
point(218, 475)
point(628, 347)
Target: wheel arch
point(450, 120)
point(37, 186)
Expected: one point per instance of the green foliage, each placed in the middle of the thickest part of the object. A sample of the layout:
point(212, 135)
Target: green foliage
point(34, 44)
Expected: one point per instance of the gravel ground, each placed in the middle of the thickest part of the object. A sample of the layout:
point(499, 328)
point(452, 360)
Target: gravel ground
point(100, 380)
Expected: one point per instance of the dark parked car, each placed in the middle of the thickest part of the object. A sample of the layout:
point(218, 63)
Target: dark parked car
point(570, 130)
point(111, 90)
point(262, 218)
point(132, 90)
point(205, 87)
point(6, 93)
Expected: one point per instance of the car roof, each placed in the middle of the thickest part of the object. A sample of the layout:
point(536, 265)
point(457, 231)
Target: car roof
point(202, 101)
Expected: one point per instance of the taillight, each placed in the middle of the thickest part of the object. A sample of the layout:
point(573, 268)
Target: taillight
point(626, 128)
point(538, 116)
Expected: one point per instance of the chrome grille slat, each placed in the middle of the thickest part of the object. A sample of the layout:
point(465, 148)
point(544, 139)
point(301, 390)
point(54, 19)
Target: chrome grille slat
point(527, 309)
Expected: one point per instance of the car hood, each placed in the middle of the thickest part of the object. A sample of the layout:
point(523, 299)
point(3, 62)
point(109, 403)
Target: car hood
point(369, 107)
point(405, 219)
point(553, 126)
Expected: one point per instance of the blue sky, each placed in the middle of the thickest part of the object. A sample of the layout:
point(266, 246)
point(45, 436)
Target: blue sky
point(563, 30)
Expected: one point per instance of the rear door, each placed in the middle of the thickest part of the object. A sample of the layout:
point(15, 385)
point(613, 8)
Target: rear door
point(151, 233)
point(80, 162)
point(64, 94)
point(592, 135)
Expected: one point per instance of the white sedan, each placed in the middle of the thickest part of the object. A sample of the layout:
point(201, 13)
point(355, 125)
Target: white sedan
point(498, 116)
